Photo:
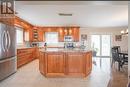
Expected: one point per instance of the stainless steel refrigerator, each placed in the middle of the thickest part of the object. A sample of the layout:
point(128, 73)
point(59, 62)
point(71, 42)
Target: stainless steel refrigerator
point(7, 50)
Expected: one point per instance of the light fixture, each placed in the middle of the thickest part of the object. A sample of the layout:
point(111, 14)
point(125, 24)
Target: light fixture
point(70, 31)
point(65, 30)
point(60, 30)
point(124, 32)
point(127, 31)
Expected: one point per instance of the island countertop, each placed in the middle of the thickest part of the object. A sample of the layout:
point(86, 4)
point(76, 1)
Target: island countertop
point(64, 50)
point(59, 62)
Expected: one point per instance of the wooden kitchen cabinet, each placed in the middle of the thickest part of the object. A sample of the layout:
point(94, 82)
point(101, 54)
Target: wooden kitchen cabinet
point(72, 31)
point(37, 53)
point(41, 37)
point(75, 34)
point(55, 64)
point(62, 31)
point(25, 55)
point(61, 34)
point(89, 61)
point(75, 64)
point(37, 34)
point(27, 27)
point(22, 23)
point(65, 64)
point(42, 60)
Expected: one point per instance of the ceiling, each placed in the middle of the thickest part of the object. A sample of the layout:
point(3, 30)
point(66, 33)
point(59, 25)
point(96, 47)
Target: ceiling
point(85, 13)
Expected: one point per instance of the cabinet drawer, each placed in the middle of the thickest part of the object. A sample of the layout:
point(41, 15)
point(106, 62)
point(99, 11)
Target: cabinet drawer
point(25, 56)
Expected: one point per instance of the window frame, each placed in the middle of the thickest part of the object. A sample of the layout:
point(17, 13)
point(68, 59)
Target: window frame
point(22, 29)
point(52, 33)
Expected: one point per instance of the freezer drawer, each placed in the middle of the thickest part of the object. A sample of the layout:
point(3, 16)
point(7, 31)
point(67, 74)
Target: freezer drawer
point(7, 67)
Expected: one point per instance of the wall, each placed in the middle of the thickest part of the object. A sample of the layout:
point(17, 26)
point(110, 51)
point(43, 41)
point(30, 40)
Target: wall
point(129, 45)
point(111, 31)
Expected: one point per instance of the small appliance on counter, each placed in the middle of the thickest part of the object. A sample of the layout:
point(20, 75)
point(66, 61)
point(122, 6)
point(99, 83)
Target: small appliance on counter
point(69, 45)
point(34, 44)
point(82, 46)
point(68, 38)
point(45, 45)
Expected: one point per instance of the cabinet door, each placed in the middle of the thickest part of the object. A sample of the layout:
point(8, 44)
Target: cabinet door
point(25, 56)
point(61, 34)
point(75, 64)
point(42, 62)
point(40, 35)
point(31, 35)
point(55, 63)
point(89, 61)
point(75, 34)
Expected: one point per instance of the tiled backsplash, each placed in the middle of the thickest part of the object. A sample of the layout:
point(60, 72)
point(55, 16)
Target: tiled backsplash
point(59, 44)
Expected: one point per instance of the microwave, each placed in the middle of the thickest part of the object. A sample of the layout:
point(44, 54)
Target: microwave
point(68, 38)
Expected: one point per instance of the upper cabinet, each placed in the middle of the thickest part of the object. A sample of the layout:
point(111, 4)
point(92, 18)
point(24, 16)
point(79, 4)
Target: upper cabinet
point(72, 31)
point(75, 34)
point(26, 26)
point(22, 23)
point(61, 34)
point(39, 33)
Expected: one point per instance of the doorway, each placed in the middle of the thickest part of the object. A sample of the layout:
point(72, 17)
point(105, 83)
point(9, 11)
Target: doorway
point(101, 45)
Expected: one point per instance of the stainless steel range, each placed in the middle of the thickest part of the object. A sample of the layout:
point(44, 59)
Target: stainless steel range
point(7, 50)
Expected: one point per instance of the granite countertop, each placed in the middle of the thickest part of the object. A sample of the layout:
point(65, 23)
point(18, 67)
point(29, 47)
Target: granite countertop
point(24, 48)
point(64, 50)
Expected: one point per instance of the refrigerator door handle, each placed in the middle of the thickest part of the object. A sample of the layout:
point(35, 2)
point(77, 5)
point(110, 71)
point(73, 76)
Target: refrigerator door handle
point(8, 41)
point(3, 44)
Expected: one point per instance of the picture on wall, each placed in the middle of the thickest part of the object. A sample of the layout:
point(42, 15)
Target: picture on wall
point(118, 38)
point(84, 37)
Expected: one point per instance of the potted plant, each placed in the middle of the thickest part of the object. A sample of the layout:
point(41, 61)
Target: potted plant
point(94, 50)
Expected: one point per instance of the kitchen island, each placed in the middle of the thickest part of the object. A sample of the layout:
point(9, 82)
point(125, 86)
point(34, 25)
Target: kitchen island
point(59, 62)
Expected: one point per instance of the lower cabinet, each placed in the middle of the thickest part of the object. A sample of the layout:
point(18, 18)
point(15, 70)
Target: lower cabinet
point(89, 62)
point(42, 60)
point(65, 64)
point(55, 63)
point(75, 64)
point(24, 56)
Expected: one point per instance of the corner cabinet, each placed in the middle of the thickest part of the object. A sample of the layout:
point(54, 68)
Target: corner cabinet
point(37, 34)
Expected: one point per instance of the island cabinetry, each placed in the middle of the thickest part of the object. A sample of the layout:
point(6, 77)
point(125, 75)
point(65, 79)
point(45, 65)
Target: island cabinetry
point(88, 62)
point(55, 63)
point(42, 62)
point(75, 64)
point(65, 64)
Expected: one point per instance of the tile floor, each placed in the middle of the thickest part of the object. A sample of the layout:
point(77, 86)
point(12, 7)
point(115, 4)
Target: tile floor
point(29, 76)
